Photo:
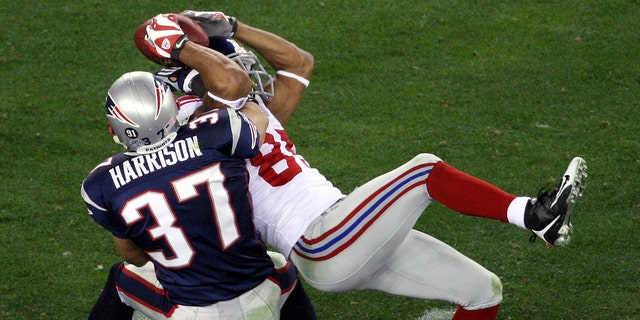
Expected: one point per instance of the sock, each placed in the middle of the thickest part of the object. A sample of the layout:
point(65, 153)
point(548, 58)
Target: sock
point(467, 194)
point(516, 212)
point(482, 314)
point(108, 306)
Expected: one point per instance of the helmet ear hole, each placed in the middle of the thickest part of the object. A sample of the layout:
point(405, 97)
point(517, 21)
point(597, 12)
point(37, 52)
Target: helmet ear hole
point(114, 136)
point(113, 133)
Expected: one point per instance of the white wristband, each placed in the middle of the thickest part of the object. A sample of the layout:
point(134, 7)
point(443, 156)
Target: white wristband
point(288, 74)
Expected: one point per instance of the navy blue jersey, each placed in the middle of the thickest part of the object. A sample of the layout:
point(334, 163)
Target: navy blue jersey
point(188, 206)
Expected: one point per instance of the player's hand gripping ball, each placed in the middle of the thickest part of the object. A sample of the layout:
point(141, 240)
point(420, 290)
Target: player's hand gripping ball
point(190, 28)
point(214, 23)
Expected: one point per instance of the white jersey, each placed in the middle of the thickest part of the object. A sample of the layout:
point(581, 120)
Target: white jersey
point(288, 194)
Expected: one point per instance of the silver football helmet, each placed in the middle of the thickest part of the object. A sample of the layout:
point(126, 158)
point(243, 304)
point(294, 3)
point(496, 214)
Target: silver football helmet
point(142, 112)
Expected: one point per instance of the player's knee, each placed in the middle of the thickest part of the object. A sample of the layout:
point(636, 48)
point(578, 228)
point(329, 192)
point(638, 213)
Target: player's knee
point(496, 286)
point(491, 295)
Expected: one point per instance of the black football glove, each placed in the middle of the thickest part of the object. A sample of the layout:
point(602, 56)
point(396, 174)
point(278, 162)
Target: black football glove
point(214, 23)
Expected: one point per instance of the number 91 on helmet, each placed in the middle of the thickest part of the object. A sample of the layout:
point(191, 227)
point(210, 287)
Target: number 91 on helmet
point(142, 112)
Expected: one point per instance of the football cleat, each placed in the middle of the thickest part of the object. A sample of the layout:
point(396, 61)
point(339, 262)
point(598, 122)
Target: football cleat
point(548, 216)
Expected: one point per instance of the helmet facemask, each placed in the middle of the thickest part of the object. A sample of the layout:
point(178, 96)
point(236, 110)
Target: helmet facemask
point(262, 80)
point(249, 62)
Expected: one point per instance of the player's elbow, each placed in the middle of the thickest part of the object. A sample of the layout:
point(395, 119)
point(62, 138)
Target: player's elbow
point(240, 85)
point(298, 62)
point(306, 64)
point(234, 87)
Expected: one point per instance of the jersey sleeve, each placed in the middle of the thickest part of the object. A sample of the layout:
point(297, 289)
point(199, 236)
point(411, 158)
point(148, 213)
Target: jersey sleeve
point(228, 131)
point(245, 135)
point(98, 210)
point(187, 106)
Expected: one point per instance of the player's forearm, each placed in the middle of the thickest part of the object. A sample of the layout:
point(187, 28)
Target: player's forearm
point(280, 53)
point(255, 113)
point(130, 252)
point(220, 75)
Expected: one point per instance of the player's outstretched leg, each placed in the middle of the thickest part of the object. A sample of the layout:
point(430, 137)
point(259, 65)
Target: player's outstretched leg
point(548, 216)
point(298, 306)
point(108, 306)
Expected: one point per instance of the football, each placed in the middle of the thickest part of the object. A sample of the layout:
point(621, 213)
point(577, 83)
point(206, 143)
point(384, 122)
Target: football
point(191, 28)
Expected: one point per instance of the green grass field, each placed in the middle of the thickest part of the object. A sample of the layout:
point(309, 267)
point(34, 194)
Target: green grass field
point(508, 91)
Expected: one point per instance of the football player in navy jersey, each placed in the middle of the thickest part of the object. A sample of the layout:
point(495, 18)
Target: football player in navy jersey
point(177, 200)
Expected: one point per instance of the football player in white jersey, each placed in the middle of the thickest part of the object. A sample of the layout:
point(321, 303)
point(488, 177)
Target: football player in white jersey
point(365, 239)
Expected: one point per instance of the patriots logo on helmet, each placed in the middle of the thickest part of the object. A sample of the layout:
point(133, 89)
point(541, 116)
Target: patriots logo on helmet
point(114, 111)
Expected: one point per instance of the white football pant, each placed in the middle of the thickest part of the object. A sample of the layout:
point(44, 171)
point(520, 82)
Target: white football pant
point(366, 241)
